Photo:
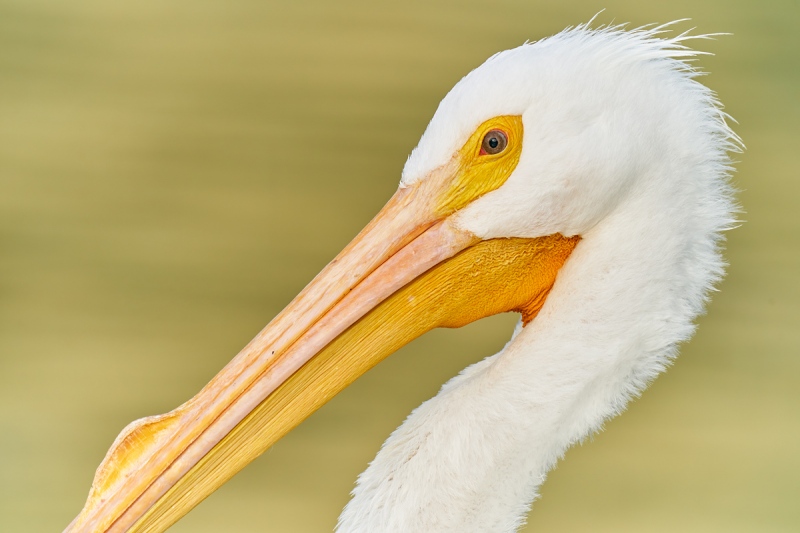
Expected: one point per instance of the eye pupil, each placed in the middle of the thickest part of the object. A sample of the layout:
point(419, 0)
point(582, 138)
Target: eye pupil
point(494, 142)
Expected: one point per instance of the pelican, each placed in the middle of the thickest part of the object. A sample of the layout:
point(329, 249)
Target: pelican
point(581, 181)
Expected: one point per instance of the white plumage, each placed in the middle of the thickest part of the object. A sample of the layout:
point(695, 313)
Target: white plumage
point(602, 136)
point(623, 147)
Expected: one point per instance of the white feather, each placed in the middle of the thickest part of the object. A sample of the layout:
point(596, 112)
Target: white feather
point(625, 148)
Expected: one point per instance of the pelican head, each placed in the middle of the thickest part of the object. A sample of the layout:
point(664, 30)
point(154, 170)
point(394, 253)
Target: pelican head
point(582, 181)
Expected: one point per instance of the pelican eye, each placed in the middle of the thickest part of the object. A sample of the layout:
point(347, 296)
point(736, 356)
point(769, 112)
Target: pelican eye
point(494, 142)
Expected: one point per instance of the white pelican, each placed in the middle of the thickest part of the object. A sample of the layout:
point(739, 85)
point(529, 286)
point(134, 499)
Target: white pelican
point(581, 180)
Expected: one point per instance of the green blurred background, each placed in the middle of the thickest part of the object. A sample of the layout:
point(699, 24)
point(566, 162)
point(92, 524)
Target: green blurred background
point(172, 173)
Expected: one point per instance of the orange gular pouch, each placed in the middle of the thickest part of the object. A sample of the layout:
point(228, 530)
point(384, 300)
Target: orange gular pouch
point(494, 276)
